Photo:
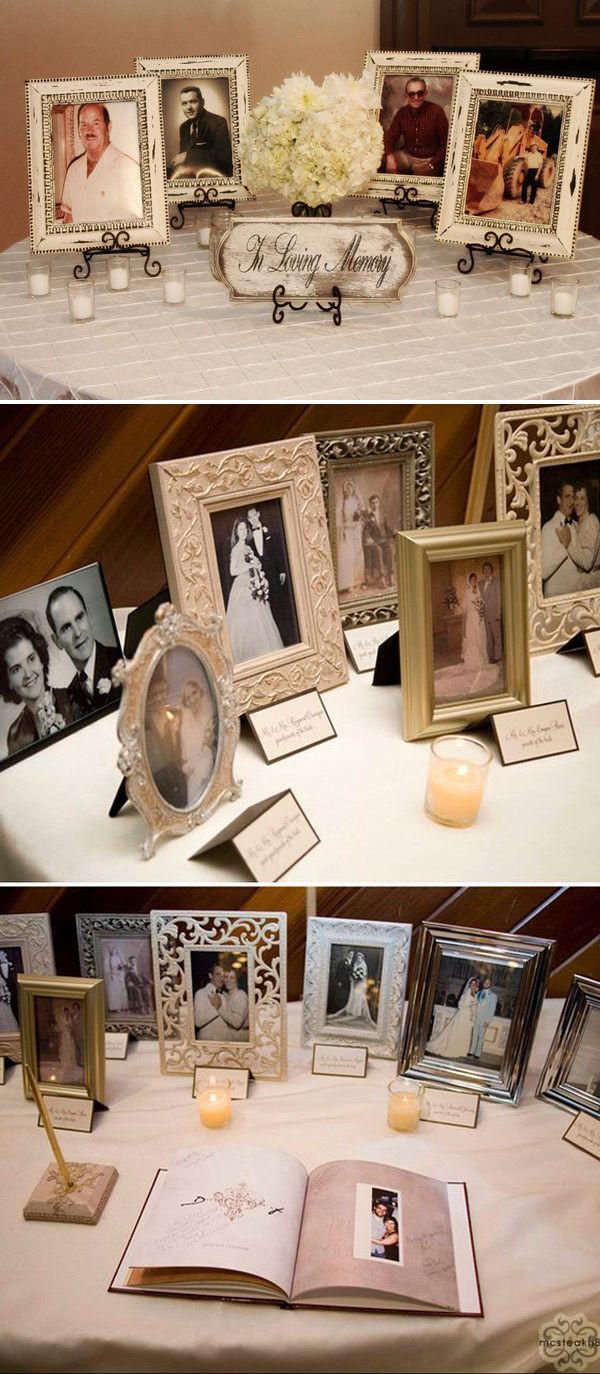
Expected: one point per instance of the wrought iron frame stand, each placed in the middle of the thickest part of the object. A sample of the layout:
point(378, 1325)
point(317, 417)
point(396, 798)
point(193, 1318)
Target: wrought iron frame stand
point(408, 198)
point(205, 198)
point(280, 305)
point(301, 210)
point(116, 243)
point(499, 243)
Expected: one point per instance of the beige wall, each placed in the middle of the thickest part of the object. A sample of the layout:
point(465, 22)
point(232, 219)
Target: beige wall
point(68, 38)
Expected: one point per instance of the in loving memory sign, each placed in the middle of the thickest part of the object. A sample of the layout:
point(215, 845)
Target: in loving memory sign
point(363, 257)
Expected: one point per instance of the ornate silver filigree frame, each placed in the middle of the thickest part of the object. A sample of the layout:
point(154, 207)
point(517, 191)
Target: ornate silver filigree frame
point(525, 441)
point(204, 638)
point(232, 66)
point(554, 1086)
point(531, 955)
point(382, 1042)
point(413, 446)
point(33, 936)
point(91, 931)
point(262, 935)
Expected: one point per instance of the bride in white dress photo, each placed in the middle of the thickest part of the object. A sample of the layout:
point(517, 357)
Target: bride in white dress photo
point(196, 739)
point(252, 629)
point(349, 528)
point(474, 646)
point(454, 1040)
point(463, 624)
point(357, 1007)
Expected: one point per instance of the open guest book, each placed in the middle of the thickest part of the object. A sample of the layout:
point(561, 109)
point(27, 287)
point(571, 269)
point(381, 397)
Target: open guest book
point(250, 1223)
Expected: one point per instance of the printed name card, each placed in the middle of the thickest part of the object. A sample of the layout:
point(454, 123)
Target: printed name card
point(450, 1107)
point(345, 1061)
point(238, 1080)
point(69, 1113)
point(592, 644)
point(291, 726)
point(584, 1132)
point(363, 257)
point(269, 837)
point(116, 1044)
point(534, 732)
point(363, 641)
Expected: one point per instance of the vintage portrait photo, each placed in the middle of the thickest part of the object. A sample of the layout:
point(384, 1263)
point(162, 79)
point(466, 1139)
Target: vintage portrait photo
point(366, 506)
point(126, 966)
point(96, 162)
point(255, 577)
point(181, 728)
point(570, 527)
point(59, 1040)
point(512, 174)
point(354, 986)
point(584, 1072)
point(414, 115)
point(473, 1006)
point(58, 645)
point(11, 965)
point(468, 632)
point(197, 127)
point(220, 990)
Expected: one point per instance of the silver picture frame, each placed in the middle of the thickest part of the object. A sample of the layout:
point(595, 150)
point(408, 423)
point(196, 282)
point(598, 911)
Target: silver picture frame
point(96, 930)
point(384, 948)
point(27, 943)
point(583, 1001)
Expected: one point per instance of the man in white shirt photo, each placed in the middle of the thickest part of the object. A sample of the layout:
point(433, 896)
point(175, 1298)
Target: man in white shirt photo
point(559, 573)
point(102, 183)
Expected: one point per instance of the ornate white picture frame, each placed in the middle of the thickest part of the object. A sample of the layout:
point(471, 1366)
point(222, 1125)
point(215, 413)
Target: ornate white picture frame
point(197, 955)
point(354, 983)
point(25, 947)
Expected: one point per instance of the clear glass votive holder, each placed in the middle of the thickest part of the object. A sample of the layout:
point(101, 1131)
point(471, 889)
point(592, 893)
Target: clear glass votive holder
point(38, 277)
point(447, 297)
point(82, 304)
point(219, 222)
point(519, 277)
point(564, 296)
point(458, 766)
point(203, 230)
point(405, 1096)
point(214, 1103)
point(173, 285)
point(117, 272)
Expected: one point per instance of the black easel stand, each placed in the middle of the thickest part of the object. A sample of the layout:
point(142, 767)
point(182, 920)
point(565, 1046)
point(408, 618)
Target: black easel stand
point(407, 198)
point(205, 198)
point(500, 243)
point(280, 304)
point(116, 243)
point(301, 210)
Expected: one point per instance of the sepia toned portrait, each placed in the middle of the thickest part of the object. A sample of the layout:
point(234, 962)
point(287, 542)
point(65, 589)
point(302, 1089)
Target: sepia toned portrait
point(59, 1040)
point(473, 1006)
point(512, 172)
point(354, 987)
point(468, 632)
point(255, 578)
point(126, 968)
point(366, 506)
point(569, 511)
point(181, 728)
point(197, 127)
point(220, 995)
point(96, 162)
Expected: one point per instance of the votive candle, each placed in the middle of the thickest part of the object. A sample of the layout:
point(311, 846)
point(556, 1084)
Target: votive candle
point(80, 295)
point(38, 275)
point(173, 284)
point(214, 1104)
point(447, 295)
point(117, 270)
point(519, 278)
point(456, 779)
point(564, 296)
point(404, 1104)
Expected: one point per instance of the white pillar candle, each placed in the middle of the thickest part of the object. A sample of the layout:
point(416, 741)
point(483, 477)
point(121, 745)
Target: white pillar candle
point(173, 285)
point(203, 235)
point(520, 284)
point(564, 296)
point(38, 274)
point(456, 779)
point(214, 1106)
point(447, 294)
point(81, 300)
point(118, 274)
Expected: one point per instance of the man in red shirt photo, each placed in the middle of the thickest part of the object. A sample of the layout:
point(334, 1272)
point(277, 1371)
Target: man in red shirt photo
point(420, 127)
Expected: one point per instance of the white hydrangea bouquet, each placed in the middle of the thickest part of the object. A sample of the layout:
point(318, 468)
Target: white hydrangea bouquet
point(313, 143)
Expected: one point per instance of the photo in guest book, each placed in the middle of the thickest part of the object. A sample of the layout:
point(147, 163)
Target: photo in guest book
point(468, 640)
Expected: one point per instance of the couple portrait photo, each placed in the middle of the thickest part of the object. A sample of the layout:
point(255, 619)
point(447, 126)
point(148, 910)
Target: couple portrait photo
point(570, 528)
point(366, 508)
point(353, 987)
point(385, 1227)
point(58, 646)
point(181, 728)
point(254, 572)
point(59, 1036)
point(220, 995)
point(473, 1008)
point(127, 974)
point(468, 654)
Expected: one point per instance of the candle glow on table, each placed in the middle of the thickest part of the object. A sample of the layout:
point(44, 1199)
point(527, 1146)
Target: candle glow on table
point(456, 779)
point(447, 295)
point(38, 274)
point(214, 1104)
point(404, 1104)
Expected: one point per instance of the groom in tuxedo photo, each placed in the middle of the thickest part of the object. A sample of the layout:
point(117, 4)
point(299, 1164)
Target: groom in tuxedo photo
point(70, 623)
point(266, 543)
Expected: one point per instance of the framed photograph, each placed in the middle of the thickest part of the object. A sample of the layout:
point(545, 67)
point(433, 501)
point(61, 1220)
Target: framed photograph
point(244, 534)
point(375, 481)
point(221, 981)
point(571, 1075)
point(58, 646)
point(516, 160)
point(463, 625)
point(354, 983)
point(96, 162)
point(118, 949)
point(473, 1007)
point(548, 477)
point(25, 947)
point(62, 1029)
point(178, 724)
point(416, 92)
point(205, 103)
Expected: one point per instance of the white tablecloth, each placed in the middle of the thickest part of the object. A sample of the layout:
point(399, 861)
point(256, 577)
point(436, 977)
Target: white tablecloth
point(535, 1226)
point(362, 792)
point(211, 349)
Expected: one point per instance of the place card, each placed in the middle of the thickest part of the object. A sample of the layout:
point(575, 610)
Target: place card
point(116, 1044)
point(239, 1079)
point(69, 1113)
point(291, 726)
point(345, 1061)
point(269, 837)
point(584, 1132)
point(450, 1107)
point(592, 644)
point(363, 642)
point(534, 732)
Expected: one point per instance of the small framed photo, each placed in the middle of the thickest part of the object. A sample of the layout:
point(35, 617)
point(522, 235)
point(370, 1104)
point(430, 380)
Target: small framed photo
point(25, 947)
point(463, 625)
point(548, 477)
point(244, 535)
point(178, 724)
point(118, 949)
point(375, 481)
point(205, 103)
point(354, 983)
point(473, 1007)
point(571, 1075)
point(96, 162)
point(516, 161)
point(58, 646)
point(416, 92)
point(62, 1028)
point(221, 979)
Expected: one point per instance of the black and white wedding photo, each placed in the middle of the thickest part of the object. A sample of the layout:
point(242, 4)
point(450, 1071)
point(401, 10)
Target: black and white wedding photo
point(366, 507)
point(468, 639)
point(354, 985)
point(255, 576)
point(59, 1040)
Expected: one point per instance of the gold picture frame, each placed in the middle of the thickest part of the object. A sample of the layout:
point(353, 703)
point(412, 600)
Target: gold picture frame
point(80, 1034)
point(417, 552)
